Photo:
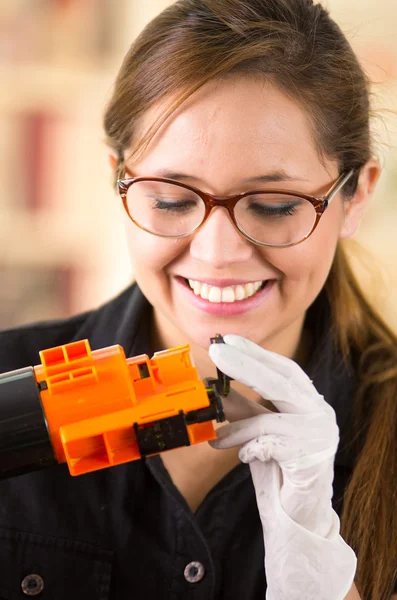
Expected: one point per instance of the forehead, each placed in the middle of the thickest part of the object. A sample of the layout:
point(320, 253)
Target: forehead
point(232, 128)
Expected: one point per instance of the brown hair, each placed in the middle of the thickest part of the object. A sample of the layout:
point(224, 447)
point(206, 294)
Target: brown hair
point(295, 45)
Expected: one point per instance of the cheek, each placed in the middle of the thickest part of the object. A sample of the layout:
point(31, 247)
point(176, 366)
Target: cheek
point(310, 261)
point(150, 254)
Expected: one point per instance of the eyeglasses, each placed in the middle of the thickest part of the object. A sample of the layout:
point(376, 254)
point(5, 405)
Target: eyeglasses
point(271, 217)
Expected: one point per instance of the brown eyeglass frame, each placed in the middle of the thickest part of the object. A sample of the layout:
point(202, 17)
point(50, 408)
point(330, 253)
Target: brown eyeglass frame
point(229, 202)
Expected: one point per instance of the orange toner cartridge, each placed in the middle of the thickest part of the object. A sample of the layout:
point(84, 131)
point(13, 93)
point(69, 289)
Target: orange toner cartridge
point(96, 409)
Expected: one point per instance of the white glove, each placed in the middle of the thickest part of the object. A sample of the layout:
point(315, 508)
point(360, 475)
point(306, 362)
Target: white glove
point(291, 456)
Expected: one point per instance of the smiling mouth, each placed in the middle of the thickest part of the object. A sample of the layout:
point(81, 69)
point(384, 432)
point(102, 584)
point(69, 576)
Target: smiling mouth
point(230, 294)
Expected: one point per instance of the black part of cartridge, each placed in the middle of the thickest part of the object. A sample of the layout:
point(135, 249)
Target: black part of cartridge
point(25, 443)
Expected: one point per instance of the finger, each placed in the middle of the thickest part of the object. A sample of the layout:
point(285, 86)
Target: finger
point(298, 461)
point(284, 437)
point(286, 392)
point(254, 350)
point(237, 433)
point(279, 363)
point(283, 365)
point(237, 407)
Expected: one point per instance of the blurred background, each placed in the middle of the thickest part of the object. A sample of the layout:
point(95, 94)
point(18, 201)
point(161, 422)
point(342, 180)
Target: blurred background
point(62, 247)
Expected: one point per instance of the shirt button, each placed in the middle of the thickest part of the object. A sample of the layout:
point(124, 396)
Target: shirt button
point(32, 584)
point(194, 572)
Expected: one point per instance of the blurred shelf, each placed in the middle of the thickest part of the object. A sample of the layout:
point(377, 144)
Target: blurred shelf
point(43, 238)
point(47, 86)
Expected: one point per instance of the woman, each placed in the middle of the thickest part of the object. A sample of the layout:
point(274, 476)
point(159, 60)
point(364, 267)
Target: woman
point(263, 104)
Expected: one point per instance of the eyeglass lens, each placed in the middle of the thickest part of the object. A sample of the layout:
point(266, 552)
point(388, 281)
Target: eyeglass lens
point(171, 210)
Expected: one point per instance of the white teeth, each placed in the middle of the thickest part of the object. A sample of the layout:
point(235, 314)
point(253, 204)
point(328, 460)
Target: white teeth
point(249, 289)
point(227, 294)
point(215, 294)
point(239, 292)
point(205, 290)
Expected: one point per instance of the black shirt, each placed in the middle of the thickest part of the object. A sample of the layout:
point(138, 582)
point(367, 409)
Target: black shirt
point(126, 531)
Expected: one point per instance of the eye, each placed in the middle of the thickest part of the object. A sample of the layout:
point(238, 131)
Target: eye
point(274, 206)
point(274, 211)
point(174, 205)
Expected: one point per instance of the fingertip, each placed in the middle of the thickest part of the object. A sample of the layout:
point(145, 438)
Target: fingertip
point(247, 347)
point(219, 351)
point(232, 339)
point(280, 362)
point(216, 444)
point(213, 350)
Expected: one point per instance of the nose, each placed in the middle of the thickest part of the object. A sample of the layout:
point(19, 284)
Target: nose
point(219, 243)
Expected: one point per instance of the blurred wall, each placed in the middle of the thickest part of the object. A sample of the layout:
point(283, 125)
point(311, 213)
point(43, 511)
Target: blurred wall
point(62, 247)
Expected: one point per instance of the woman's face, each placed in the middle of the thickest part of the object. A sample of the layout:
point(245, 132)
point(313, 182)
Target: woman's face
point(223, 141)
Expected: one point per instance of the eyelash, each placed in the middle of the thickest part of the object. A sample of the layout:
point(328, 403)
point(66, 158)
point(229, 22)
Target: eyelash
point(288, 210)
point(166, 206)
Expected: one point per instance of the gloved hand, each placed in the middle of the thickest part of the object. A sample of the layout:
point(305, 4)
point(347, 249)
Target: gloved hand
point(291, 457)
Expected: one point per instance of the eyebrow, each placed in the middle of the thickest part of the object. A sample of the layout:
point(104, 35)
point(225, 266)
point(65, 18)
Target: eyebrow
point(273, 176)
